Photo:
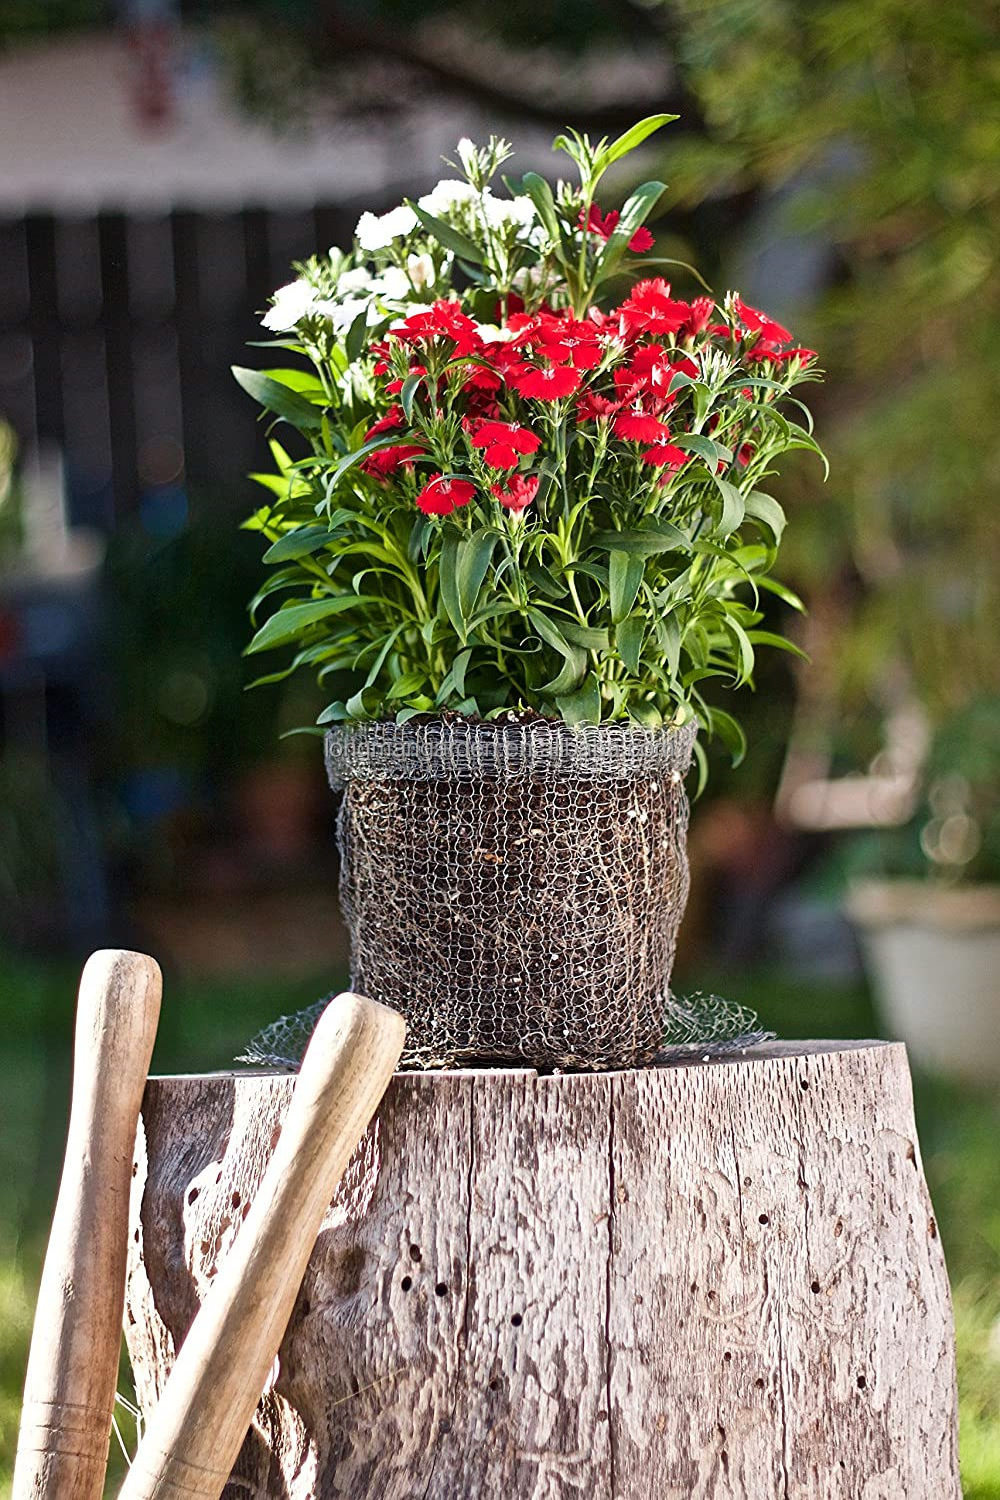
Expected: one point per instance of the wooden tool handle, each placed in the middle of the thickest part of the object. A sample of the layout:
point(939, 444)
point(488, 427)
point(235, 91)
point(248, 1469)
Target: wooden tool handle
point(69, 1389)
point(197, 1428)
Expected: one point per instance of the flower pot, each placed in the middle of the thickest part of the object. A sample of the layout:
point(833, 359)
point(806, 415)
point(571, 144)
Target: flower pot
point(515, 889)
point(934, 956)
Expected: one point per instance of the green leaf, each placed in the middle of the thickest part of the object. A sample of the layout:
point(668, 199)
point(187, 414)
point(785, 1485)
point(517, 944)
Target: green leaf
point(403, 687)
point(629, 637)
point(540, 193)
point(280, 399)
point(408, 394)
point(448, 582)
point(630, 139)
point(587, 636)
point(706, 448)
point(634, 215)
point(780, 590)
point(301, 542)
point(778, 642)
point(732, 507)
point(744, 649)
point(658, 536)
point(574, 658)
point(625, 572)
point(450, 238)
point(357, 337)
point(289, 621)
point(583, 706)
point(541, 579)
point(349, 460)
point(766, 510)
point(474, 553)
point(646, 714)
point(730, 732)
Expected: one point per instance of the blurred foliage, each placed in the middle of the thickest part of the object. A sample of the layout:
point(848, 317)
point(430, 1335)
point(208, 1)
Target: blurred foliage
point(955, 831)
point(178, 626)
point(876, 125)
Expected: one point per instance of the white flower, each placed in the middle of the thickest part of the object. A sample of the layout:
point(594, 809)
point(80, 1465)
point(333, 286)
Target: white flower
point(358, 280)
point(517, 212)
point(490, 333)
point(448, 195)
point(289, 305)
point(393, 283)
point(376, 233)
point(421, 271)
point(343, 314)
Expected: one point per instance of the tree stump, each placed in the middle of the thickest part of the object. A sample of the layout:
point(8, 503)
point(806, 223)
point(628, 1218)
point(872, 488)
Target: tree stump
point(719, 1280)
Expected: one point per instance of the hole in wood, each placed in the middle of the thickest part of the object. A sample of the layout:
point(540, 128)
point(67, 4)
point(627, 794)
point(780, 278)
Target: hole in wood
point(862, 1382)
point(932, 1229)
point(764, 1219)
point(814, 1286)
point(193, 1194)
point(135, 1237)
point(803, 1083)
point(441, 1290)
point(236, 1200)
point(516, 1320)
point(759, 1383)
point(494, 1384)
point(728, 1357)
point(135, 1169)
point(406, 1283)
point(415, 1252)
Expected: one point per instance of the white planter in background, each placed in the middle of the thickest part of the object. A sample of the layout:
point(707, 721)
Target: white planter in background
point(934, 959)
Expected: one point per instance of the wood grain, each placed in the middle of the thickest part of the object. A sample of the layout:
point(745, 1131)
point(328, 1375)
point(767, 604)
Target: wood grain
point(195, 1430)
point(72, 1373)
point(718, 1281)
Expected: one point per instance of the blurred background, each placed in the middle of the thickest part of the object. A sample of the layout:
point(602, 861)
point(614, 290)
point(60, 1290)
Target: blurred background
point(161, 165)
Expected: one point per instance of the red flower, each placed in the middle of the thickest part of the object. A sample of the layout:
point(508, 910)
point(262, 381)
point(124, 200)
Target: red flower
point(444, 320)
point(440, 496)
point(635, 426)
point(504, 443)
point(758, 322)
point(702, 309)
point(606, 224)
point(802, 355)
point(547, 383)
point(745, 453)
point(665, 453)
point(568, 340)
point(518, 492)
point(389, 423)
point(590, 406)
point(651, 310)
point(386, 461)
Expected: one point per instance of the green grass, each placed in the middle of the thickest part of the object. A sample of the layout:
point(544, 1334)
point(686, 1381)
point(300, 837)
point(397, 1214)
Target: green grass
point(204, 1024)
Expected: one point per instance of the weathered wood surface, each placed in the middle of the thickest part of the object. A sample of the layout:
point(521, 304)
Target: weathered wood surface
point(69, 1388)
point(719, 1281)
point(195, 1431)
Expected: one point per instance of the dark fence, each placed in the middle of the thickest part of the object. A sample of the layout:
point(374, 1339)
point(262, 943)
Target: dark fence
point(116, 337)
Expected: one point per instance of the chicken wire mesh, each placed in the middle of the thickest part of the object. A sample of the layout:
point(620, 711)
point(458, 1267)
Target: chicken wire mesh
point(696, 1028)
point(515, 890)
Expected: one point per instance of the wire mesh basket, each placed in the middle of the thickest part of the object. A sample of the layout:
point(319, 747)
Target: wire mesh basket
point(515, 889)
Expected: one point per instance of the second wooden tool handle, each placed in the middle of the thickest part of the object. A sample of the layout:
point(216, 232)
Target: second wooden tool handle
point(196, 1430)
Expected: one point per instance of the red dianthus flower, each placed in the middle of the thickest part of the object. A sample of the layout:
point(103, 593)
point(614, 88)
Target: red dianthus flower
point(440, 496)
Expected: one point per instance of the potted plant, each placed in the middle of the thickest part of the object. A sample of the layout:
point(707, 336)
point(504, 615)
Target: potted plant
point(926, 898)
point(522, 534)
